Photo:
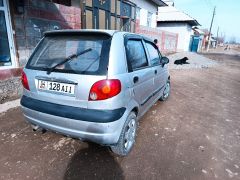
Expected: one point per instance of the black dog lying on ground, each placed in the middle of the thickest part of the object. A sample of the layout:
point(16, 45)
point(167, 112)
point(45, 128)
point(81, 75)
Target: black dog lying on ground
point(181, 61)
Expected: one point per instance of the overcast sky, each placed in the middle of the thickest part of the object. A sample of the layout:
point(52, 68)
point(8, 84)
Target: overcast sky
point(227, 16)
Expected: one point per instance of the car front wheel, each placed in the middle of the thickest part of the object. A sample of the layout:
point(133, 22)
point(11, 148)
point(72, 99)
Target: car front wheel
point(166, 91)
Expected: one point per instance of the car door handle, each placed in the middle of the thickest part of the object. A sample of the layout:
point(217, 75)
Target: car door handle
point(135, 79)
point(155, 71)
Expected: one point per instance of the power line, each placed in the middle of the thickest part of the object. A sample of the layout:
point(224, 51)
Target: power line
point(210, 3)
point(206, 3)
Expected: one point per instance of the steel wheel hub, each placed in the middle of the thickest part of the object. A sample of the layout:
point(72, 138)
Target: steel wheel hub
point(166, 90)
point(130, 134)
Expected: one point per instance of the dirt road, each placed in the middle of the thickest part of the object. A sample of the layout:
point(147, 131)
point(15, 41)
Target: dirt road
point(194, 135)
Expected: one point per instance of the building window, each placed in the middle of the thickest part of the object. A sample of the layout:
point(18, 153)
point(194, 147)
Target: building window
point(138, 13)
point(109, 14)
point(5, 58)
point(149, 19)
point(7, 51)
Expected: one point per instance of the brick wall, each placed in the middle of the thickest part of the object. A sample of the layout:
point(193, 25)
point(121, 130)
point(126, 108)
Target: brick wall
point(40, 16)
point(167, 41)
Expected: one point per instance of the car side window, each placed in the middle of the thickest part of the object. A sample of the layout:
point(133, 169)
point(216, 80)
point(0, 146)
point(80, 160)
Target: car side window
point(136, 54)
point(153, 54)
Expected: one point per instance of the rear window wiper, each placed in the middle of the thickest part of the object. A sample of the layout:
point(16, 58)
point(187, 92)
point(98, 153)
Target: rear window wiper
point(68, 59)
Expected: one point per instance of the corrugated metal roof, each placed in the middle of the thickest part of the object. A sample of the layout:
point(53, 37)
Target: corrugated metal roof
point(171, 14)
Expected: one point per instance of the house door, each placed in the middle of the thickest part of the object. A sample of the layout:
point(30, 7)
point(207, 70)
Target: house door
point(194, 43)
point(6, 40)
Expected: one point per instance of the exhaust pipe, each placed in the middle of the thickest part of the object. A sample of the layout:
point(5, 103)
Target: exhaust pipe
point(43, 131)
point(35, 127)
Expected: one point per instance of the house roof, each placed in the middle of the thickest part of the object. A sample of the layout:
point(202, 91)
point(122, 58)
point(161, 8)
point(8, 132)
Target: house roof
point(159, 2)
point(171, 14)
point(199, 31)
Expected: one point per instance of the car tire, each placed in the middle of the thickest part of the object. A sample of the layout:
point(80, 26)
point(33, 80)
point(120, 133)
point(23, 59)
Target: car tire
point(166, 92)
point(127, 136)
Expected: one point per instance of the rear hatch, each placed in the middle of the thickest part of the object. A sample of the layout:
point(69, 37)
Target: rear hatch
point(64, 66)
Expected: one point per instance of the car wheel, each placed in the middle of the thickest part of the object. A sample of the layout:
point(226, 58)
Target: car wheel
point(127, 137)
point(166, 92)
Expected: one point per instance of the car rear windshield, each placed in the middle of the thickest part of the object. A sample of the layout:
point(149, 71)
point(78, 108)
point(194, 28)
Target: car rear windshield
point(54, 49)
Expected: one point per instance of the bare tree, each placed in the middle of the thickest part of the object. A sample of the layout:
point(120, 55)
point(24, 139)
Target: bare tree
point(232, 40)
point(221, 38)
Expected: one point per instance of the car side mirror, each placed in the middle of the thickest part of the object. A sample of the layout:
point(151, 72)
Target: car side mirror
point(164, 61)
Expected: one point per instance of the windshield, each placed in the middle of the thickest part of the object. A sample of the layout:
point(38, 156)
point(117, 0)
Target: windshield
point(55, 49)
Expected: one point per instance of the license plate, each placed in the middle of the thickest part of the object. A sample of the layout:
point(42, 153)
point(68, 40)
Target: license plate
point(58, 87)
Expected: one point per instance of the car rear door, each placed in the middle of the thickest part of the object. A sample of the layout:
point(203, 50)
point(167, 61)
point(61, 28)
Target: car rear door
point(140, 72)
point(69, 83)
point(155, 61)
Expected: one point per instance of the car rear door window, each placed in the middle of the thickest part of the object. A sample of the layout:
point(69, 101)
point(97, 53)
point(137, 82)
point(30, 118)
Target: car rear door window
point(136, 54)
point(153, 54)
point(54, 49)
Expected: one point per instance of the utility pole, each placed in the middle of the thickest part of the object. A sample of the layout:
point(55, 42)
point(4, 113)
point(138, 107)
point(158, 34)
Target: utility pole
point(217, 36)
point(210, 29)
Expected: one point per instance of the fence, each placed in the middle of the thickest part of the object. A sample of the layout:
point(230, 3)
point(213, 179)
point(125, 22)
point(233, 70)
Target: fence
point(167, 41)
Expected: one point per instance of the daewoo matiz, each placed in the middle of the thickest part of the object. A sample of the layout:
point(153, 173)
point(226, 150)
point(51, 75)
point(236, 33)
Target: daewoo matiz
point(93, 85)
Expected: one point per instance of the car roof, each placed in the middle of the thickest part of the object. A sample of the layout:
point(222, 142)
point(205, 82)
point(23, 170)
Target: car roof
point(103, 31)
point(78, 31)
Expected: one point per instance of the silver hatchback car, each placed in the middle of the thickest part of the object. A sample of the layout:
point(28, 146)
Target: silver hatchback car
point(93, 85)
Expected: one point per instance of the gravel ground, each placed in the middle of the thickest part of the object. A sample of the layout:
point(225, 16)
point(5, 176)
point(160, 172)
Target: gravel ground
point(194, 135)
point(9, 105)
point(195, 61)
point(10, 89)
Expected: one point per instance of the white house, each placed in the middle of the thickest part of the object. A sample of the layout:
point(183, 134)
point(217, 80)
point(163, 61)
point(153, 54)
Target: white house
point(172, 20)
point(147, 11)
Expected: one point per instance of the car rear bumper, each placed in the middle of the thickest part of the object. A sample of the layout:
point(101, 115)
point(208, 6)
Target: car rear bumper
point(102, 130)
point(83, 114)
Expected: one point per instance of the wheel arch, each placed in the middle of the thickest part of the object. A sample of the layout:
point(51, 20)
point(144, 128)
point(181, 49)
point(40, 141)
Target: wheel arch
point(135, 110)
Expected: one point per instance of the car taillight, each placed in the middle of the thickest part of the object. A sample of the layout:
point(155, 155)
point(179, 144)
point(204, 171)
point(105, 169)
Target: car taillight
point(25, 81)
point(104, 89)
